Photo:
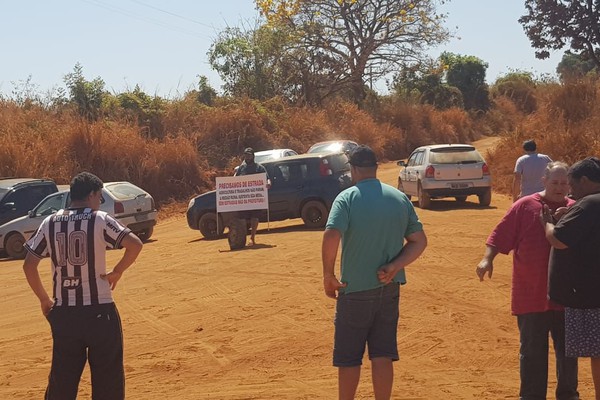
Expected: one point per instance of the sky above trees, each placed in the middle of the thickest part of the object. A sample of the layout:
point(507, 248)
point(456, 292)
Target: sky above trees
point(162, 46)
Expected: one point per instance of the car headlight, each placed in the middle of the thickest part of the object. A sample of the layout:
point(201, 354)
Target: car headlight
point(191, 203)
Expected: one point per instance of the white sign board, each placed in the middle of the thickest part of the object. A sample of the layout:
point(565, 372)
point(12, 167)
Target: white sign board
point(240, 193)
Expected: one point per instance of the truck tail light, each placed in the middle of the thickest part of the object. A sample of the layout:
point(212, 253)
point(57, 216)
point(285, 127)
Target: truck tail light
point(485, 169)
point(119, 209)
point(324, 168)
point(429, 171)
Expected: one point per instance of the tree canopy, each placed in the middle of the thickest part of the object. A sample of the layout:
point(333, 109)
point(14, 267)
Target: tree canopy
point(554, 24)
point(359, 40)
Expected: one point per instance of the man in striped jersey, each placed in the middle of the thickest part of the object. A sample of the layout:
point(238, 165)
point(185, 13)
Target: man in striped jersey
point(84, 320)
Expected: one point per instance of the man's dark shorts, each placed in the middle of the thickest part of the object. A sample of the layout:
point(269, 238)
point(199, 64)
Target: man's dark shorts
point(368, 317)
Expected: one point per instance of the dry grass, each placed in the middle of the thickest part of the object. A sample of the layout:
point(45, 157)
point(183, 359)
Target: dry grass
point(200, 142)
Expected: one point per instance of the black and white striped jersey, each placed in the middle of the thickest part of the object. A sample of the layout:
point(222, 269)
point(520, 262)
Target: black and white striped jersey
point(76, 241)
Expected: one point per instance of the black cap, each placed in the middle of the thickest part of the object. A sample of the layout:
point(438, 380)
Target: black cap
point(249, 150)
point(362, 156)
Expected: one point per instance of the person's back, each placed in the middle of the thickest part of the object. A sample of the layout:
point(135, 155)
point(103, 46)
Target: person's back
point(373, 220)
point(83, 318)
point(528, 172)
point(531, 167)
point(373, 232)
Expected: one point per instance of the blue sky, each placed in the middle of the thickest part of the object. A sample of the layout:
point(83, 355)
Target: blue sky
point(162, 45)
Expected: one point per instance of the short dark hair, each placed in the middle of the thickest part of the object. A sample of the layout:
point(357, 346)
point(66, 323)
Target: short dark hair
point(83, 184)
point(363, 157)
point(588, 167)
point(529, 145)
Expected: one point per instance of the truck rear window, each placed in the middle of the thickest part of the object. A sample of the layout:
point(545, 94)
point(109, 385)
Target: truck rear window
point(455, 156)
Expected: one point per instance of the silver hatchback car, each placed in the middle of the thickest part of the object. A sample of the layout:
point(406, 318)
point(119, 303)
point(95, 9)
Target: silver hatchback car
point(445, 170)
point(131, 206)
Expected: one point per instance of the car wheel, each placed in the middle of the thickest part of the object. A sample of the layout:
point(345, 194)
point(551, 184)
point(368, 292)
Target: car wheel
point(146, 233)
point(14, 246)
point(424, 198)
point(486, 198)
point(314, 214)
point(401, 188)
point(461, 199)
point(208, 226)
point(237, 234)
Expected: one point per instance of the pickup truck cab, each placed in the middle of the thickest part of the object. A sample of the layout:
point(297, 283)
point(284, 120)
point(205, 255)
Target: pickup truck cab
point(445, 170)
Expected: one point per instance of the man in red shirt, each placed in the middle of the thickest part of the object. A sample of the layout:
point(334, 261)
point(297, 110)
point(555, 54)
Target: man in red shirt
point(521, 232)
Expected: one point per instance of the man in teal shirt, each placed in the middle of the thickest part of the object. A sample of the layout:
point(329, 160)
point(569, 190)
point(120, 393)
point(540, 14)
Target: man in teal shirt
point(381, 234)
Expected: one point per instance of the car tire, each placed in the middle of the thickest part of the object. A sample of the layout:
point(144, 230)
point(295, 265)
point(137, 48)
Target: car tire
point(145, 234)
point(401, 188)
point(14, 246)
point(314, 214)
point(236, 237)
point(461, 199)
point(485, 199)
point(424, 198)
point(208, 226)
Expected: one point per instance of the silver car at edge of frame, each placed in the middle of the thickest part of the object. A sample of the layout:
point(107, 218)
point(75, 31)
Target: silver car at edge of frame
point(130, 205)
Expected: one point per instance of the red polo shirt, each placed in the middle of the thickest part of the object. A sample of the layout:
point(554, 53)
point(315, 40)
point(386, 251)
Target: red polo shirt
point(521, 232)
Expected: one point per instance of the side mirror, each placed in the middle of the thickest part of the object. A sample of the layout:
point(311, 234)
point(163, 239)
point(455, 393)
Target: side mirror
point(401, 163)
point(30, 213)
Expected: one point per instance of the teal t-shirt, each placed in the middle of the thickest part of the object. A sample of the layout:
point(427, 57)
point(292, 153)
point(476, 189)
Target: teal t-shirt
point(373, 219)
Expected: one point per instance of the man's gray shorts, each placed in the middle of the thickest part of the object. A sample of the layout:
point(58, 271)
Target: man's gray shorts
point(368, 317)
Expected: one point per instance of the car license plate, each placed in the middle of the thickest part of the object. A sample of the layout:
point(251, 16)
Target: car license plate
point(141, 217)
point(459, 185)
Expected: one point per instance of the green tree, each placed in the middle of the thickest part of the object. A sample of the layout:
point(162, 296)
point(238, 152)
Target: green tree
point(467, 73)
point(519, 87)
point(574, 66)
point(359, 40)
point(205, 94)
point(85, 95)
point(554, 24)
point(248, 62)
point(146, 109)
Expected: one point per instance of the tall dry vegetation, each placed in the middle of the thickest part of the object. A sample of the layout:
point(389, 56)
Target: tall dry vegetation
point(565, 126)
point(200, 142)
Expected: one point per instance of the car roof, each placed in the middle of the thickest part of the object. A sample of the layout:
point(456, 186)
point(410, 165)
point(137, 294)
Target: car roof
point(272, 151)
point(333, 141)
point(441, 146)
point(12, 182)
point(305, 156)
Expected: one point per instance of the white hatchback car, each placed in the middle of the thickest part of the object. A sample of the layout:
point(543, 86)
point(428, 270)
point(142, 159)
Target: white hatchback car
point(130, 205)
point(445, 170)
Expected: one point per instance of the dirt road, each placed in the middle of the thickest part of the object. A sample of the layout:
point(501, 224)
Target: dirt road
point(201, 322)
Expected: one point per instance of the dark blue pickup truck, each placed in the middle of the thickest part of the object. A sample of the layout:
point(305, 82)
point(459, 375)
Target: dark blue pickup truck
point(302, 186)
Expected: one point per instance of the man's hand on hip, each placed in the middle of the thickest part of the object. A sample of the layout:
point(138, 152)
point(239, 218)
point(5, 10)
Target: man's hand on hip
point(332, 285)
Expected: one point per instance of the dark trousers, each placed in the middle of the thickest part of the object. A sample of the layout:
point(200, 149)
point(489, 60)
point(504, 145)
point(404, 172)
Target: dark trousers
point(534, 329)
point(86, 333)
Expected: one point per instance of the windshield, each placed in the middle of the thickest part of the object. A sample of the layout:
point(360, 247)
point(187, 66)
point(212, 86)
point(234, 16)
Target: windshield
point(265, 157)
point(124, 191)
point(326, 148)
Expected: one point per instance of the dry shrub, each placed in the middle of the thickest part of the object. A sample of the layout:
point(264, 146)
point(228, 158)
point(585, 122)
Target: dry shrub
point(558, 127)
point(575, 101)
point(502, 118)
point(39, 144)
